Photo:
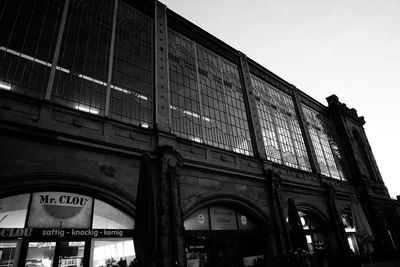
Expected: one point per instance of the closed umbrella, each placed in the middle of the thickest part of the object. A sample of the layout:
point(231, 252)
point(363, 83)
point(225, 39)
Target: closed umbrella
point(145, 234)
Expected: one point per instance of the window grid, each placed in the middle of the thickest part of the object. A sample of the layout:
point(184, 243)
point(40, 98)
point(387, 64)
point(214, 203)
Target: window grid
point(184, 93)
point(209, 107)
point(236, 109)
point(85, 52)
point(282, 135)
point(330, 166)
point(29, 31)
point(216, 130)
point(131, 94)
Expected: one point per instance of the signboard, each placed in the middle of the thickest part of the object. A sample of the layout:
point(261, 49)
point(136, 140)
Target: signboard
point(61, 210)
point(223, 218)
point(13, 233)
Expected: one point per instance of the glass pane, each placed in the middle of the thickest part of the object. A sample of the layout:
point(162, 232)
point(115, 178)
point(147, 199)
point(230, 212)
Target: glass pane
point(13, 211)
point(132, 81)
point(71, 254)
point(81, 82)
point(283, 140)
point(29, 31)
point(8, 253)
point(60, 209)
point(107, 217)
point(198, 221)
point(118, 252)
point(40, 254)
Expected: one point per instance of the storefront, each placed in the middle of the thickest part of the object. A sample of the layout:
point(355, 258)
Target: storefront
point(316, 238)
point(61, 229)
point(223, 236)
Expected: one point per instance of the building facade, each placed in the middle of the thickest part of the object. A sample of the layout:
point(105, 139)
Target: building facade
point(99, 96)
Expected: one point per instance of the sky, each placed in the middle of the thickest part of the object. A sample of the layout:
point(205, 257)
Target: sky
point(350, 48)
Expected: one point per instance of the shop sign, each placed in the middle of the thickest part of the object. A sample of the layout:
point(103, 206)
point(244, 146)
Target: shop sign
point(59, 209)
point(15, 232)
point(62, 233)
point(223, 218)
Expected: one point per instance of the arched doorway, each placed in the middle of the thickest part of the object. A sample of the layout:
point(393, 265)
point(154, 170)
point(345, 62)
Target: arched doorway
point(221, 235)
point(63, 229)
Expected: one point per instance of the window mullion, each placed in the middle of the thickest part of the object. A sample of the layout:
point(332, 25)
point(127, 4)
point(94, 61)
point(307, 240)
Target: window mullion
point(199, 91)
point(275, 125)
point(228, 124)
point(292, 141)
point(110, 62)
point(323, 153)
point(57, 51)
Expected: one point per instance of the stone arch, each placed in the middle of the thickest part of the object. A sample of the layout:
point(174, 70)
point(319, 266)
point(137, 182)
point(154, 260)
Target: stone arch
point(96, 188)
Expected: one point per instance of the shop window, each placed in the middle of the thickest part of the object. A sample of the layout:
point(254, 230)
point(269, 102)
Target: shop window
point(13, 211)
point(8, 252)
point(106, 216)
point(223, 236)
point(283, 140)
point(64, 230)
point(313, 231)
point(207, 104)
point(119, 252)
point(348, 224)
point(40, 254)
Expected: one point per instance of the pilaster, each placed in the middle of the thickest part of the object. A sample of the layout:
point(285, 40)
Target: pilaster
point(254, 122)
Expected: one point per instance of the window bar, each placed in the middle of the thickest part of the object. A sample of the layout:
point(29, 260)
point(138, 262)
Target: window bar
point(323, 153)
point(229, 124)
point(293, 140)
point(275, 125)
point(199, 90)
point(57, 51)
point(110, 62)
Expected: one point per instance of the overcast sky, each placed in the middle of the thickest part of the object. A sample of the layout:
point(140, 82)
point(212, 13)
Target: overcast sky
point(350, 48)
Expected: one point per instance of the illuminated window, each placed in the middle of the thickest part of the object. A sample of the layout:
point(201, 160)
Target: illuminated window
point(85, 52)
point(207, 104)
point(132, 81)
point(28, 35)
point(283, 140)
point(325, 147)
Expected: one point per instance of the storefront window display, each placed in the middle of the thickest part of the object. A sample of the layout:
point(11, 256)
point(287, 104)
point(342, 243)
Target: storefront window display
point(62, 229)
point(222, 236)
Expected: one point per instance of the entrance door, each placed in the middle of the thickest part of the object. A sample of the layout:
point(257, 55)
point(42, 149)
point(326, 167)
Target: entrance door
point(228, 249)
point(227, 252)
point(55, 254)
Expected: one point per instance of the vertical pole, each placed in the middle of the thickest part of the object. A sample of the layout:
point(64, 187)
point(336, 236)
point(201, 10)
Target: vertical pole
point(57, 51)
point(110, 62)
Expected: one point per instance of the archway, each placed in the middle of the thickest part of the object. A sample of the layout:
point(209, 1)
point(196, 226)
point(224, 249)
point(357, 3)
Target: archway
point(223, 235)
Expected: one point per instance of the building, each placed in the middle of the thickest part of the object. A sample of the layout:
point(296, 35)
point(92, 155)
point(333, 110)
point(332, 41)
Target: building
point(100, 97)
